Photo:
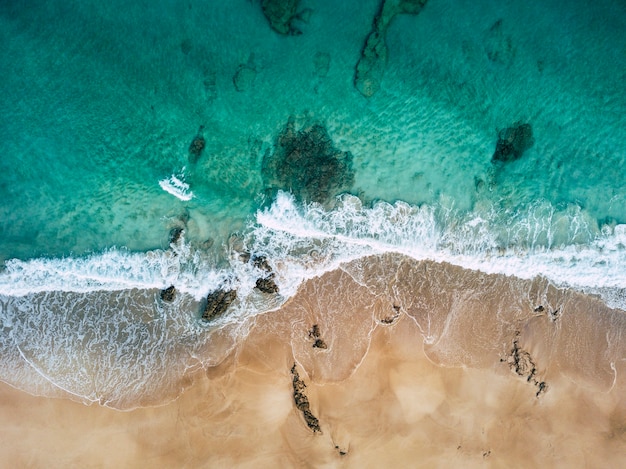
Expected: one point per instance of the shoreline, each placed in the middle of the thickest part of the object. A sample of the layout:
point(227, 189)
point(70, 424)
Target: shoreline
point(397, 379)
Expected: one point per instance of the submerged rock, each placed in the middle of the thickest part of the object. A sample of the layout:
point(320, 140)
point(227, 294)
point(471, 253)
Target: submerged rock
point(370, 68)
point(197, 146)
point(176, 234)
point(307, 163)
point(168, 294)
point(321, 62)
point(513, 142)
point(218, 302)
point(499, 46)
point(281, 14)
point(244, 77)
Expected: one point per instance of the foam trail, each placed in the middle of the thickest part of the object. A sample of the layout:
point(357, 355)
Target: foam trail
point(113, 270)
point(177, 186)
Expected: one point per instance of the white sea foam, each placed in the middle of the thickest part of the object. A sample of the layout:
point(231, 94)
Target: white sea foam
point(564, 246)
point(113, 270)
point(177, 186)
point(302, 241)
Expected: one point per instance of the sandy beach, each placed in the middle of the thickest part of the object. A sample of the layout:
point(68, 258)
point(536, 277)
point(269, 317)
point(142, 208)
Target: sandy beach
point(491, 372)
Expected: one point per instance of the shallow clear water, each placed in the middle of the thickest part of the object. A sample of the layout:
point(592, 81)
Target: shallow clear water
point(101, 102)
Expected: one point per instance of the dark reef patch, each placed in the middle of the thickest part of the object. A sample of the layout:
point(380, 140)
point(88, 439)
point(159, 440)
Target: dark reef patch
point(513, 142)
point(283, 14)
point(370, 68)
point(498, 45)
point(197, 145)
point(244, 76)
point(307, 163)
point(176, 235)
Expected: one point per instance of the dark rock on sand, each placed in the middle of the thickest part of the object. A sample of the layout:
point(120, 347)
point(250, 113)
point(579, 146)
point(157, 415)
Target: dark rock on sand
point(319, 343)
point(168, 294)
point(315, 334)
point(513, 142)
point(281, 15)
point(553, 314)
point(370, 68)
point(197, 146)
point(302, 401)
point(315, 331)
point(523, 365)
point(218, 302)
point(390, 319)
point(307, 163)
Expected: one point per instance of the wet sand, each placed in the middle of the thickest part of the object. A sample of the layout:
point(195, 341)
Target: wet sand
point(400, 362)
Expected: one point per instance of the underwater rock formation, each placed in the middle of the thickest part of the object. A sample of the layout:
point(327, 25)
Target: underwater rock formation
point(370, 68)
point(197, 146)
point(307, 163)
point(244, 76)
point(176, 234)
point(218, 302)
point(498, 46)
point(281, 14)
point(513, 142)
point(321, 62)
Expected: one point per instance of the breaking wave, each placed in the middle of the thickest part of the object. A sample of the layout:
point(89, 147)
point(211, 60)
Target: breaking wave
point(95, 328)
point(177, 186)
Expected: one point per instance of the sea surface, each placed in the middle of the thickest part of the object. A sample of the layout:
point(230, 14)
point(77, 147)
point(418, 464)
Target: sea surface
point(101, 103)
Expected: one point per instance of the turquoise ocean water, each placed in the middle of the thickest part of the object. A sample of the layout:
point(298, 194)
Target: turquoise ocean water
point(100, 102)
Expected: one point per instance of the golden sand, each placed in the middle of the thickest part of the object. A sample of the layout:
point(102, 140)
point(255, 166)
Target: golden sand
point(416, 364)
